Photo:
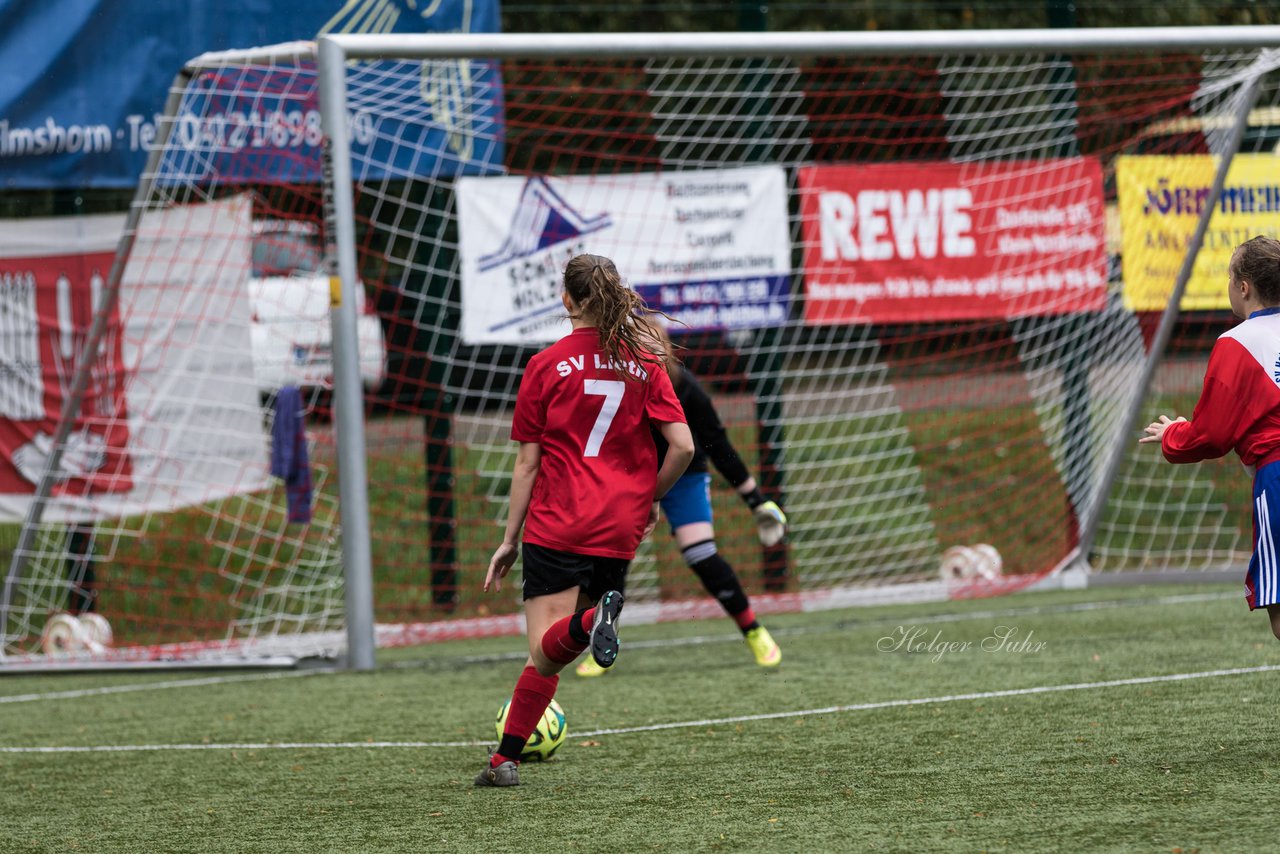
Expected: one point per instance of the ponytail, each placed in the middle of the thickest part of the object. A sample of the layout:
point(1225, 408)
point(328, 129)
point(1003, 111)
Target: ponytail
point(626, 325)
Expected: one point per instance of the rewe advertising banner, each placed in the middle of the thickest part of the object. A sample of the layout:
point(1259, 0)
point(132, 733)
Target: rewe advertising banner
point(82, 83)
point(709, 248)
point(928, 242)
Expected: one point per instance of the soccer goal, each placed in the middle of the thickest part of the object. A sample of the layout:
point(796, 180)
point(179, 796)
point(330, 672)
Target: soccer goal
point(935, 282)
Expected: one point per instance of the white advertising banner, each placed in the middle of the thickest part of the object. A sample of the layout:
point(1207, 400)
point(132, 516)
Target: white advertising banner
point(709, 248)
point(171, 415)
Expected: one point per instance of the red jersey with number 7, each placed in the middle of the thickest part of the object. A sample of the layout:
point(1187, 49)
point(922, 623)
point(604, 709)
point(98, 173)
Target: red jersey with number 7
point(599, 467)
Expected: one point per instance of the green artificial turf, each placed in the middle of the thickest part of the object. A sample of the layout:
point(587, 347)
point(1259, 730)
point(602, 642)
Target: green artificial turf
point(1159, 766)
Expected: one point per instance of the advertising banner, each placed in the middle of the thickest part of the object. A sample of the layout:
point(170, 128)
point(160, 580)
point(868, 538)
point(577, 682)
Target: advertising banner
point(84, 81)
point(928, 242)
point(177, 349)
point(710, 248)
point(52, 274)
point(1161, 199)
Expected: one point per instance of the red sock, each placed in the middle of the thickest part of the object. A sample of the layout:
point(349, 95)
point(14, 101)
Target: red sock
point(529, 700)
point(744, 619)
point(558, 642)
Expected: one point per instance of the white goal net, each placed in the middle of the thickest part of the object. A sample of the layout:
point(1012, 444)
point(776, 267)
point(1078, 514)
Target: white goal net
point(923, 289)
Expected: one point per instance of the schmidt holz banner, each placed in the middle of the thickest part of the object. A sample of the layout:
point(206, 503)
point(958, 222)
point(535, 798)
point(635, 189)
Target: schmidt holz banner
point(709, 248)
point(82, 83)
point(1161, 199)
point(924, 242)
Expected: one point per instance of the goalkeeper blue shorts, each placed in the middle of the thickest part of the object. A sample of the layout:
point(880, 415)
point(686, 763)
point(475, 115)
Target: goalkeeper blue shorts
point(689, 501)
point(1261, 584)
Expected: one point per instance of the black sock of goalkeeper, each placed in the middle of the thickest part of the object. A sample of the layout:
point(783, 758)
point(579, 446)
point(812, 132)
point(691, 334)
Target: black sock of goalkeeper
point(719, 579)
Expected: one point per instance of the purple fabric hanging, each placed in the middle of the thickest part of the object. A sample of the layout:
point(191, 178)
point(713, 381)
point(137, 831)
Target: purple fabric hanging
point(289, 452)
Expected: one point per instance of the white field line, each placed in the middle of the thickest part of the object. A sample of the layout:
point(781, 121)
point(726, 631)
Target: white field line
point(705, 722)
point(154, 686)
point(695, 640)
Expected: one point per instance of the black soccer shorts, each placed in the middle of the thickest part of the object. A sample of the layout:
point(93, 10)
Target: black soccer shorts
point(548, 571)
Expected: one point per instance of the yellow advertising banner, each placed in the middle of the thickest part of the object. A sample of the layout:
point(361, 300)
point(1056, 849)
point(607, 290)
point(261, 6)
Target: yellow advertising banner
point(1161, 198)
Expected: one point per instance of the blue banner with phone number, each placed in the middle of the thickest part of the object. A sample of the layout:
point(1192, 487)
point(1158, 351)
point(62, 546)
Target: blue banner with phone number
point(82, 83)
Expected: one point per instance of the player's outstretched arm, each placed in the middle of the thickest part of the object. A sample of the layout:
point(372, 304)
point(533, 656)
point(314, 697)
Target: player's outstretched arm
point(1155, 430)
point(771, 522)
point(528, 461)
point(709, 433)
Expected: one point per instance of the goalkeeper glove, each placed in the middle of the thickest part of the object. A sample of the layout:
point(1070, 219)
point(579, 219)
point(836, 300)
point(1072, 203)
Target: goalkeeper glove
point(771, 522)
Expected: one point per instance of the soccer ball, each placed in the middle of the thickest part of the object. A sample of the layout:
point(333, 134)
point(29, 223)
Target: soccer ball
point(67, 634)
point(990, 564)
point(965, 563)
point(547, 736)
point(96, 629)
point(62, 635)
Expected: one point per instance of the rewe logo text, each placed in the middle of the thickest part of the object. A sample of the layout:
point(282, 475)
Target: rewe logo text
point(879, 225)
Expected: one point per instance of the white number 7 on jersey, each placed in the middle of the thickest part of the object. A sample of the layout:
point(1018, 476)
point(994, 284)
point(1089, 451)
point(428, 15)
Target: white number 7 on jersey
point(611, 391)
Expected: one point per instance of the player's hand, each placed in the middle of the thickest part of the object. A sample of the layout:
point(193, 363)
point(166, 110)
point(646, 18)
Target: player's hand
point(1155, 430)
point(771, 523)
point(652, 523)
point(499, 565)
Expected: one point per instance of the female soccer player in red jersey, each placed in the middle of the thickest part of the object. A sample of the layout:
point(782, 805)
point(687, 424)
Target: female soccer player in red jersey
point(1239, 408)
point(584, 488)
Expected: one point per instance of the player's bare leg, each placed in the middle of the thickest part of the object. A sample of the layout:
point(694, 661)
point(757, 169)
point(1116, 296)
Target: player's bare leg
point(1273, 612)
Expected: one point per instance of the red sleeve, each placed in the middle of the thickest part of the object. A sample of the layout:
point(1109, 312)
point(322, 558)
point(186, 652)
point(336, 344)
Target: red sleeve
point(663, 407)
point(531, 406)
point(1223, 413)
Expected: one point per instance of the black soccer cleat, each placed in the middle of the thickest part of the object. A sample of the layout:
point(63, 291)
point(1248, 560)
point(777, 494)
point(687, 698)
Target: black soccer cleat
point(604, 631)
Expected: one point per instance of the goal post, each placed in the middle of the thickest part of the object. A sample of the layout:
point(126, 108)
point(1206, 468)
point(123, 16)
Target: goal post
point(933, 281)
point(348, 400)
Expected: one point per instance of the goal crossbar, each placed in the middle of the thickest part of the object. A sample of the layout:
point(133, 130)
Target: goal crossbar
point(878, 43)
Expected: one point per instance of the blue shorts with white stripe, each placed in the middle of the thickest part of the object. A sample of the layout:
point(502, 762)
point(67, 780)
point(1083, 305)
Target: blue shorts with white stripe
point(1262, 584)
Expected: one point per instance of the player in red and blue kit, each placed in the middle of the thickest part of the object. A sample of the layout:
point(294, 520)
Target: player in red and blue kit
point(1239, 409)
point(584, 488)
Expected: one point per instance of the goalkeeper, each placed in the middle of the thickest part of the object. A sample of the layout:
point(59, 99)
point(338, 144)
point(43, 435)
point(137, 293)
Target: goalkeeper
point(687, 507)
